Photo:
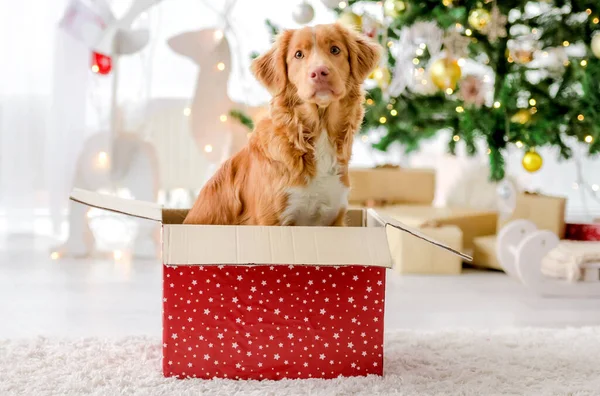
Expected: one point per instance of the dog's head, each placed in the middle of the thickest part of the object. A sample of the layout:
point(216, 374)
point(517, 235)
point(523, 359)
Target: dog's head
point(320, 64)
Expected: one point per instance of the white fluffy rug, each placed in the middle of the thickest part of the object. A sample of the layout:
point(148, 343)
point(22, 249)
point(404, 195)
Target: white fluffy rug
point(457, 362)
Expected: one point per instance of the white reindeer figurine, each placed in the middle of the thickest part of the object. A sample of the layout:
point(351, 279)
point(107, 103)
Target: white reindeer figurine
point(216, 133)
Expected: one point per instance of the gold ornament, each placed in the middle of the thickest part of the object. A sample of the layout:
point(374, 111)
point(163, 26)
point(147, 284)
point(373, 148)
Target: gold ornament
point(522, 56)
point(595, 45)
point(351, 20)
point(522, 117)
point(382, 76)
point(393, 8)
point(445, 73)
point(532, 161)
point(479, 19)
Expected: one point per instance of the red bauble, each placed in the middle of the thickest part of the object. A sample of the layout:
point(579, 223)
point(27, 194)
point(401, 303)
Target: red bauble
point(101, 64)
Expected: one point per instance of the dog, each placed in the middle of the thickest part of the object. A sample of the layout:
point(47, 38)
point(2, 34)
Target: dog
point(294, 170)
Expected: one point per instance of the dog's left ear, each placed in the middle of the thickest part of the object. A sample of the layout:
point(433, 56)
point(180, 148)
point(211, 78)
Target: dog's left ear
point(364, 54)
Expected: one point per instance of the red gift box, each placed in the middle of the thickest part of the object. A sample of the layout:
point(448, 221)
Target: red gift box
point(583, 231)
point(273, 322)
point(252, 302)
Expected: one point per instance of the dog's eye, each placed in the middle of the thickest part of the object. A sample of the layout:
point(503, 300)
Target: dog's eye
point(299, 55)
point(335, 50)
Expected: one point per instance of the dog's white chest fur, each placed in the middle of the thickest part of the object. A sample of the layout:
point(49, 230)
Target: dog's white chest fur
point(320, 201)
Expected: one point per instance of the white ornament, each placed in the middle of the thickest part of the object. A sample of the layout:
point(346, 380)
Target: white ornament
point(331, 3)
point(421, 35)
point(303, 13)
point(595, 45)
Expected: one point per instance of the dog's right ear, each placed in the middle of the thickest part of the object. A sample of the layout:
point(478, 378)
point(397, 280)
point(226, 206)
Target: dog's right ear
point(271, 67)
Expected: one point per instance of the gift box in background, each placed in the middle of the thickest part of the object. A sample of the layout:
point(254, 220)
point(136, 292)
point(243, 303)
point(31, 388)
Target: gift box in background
point(391, 185)
point(453, 226)
point(545, 211)
point(583, 231)
point(484, 252)
point(413, 257)
point(472, 222)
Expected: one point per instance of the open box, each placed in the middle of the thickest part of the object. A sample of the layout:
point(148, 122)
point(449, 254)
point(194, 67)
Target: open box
point(257, 302)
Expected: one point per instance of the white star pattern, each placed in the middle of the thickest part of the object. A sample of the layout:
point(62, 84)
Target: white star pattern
point(323, 319)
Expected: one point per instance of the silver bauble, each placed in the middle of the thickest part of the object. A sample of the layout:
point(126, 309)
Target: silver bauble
point(303, 13)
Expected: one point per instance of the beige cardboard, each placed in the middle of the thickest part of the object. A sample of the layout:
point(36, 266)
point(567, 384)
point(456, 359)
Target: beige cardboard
point(545, 211)
point(131, 207)
point(415, 256)
point(472, 222)
point(364, 242)
point(391, 186)
point(484, 252)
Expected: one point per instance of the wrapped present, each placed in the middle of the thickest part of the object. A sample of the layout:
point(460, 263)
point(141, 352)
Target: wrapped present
point(454, 227)
point(583, 231)
point(388, 185)
point(484, 252)
point(546, 212)
point(413, 257)
point(255, 302)
point(472, 222)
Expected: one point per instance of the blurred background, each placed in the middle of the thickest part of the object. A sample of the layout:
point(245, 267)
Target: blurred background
point(145, 99)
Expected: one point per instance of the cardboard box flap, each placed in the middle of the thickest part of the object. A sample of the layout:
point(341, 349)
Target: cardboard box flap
point(388, 221)
point(130, 207)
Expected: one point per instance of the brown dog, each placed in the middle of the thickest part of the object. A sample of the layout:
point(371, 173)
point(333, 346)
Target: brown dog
point(294, 170)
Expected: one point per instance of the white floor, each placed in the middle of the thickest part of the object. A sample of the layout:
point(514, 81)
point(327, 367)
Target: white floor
point(104, 297)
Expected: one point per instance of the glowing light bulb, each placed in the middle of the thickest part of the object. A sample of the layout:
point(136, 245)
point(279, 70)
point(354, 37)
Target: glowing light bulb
point(54, 255)
point(596, 20)
point(370, 102)
point(221, 66)
point(382, 120)
point(532, 102)
point(468, 32)
point(461, 62)
point(456, 138)
point(342, 4)
point(449, 91)
point(595, 187)
point(519, 144)
point(394, 112)
point(460, 109)
point(218, 35)
point(583, 63)
point(117, 254)
point(95, 68)
point(488, 152)
point(223, 118)
point(415, 61)
point(423, 46)
point(208, 148)
point(102, 159)
point(589, 139)
point(390, 44)
point(580, 117)
point(187, 111)
point(419, 52)
point(565, 43)
point(378, 74)
point(497, 105)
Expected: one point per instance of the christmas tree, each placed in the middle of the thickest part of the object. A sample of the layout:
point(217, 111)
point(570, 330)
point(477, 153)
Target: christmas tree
point(507, 73)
